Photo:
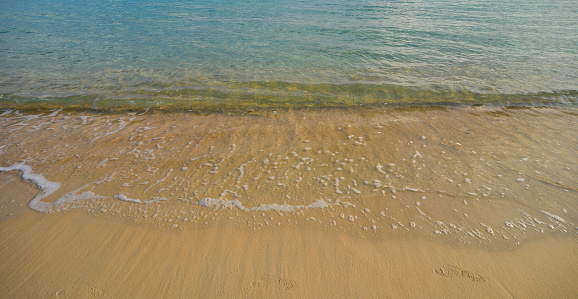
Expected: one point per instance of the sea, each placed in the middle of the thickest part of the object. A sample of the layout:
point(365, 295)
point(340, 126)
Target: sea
point(214, 55)
point(449, 120)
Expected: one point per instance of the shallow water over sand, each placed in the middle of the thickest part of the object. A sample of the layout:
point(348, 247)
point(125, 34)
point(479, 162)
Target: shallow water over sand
point(221, 54)
point(492, 177)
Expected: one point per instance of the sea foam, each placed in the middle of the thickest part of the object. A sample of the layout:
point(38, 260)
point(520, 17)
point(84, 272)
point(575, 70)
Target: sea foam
point(123, 197)
point(47, 187)
point(220, 202)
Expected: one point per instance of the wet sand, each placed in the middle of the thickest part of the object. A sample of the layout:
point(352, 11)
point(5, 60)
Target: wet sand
point(468, 202)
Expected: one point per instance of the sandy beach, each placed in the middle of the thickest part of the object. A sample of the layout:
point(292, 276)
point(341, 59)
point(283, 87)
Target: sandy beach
point(469, 202)
point(76, 256)
point(288, 149)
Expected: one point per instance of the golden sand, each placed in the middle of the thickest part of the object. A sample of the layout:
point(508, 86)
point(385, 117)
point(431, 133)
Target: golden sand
point(471, 202)
point(80, 256)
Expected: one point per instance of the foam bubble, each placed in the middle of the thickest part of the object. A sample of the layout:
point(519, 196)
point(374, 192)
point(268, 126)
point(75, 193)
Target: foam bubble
point(125, 198)
point(39, 180)
point(555, 217)
point(221, 202)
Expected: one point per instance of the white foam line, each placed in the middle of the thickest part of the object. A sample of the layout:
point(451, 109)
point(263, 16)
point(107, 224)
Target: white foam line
point(161, 180)
point(230, 153)
point(39, 180)
point(289, 208)
point(145, 111)
point(235, 203)
point(84, 118)
point(71, 197)
point(422, 213)
point(107, 179)
point(555, 217)
point(38, 126)
point(103, 161)
point(137, 145)
point(125, 198)
point(412, 189)
point(120, 127)
point(241, 172)
point(22, 123)
point(345, 204)
point(47, 187)
point(55, 112)
point(6, 112)
point(193, 159)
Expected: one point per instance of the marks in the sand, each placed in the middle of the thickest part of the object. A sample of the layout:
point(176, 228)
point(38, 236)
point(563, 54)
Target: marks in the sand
point(79, 290)
point(272, 283)
point(450, 271)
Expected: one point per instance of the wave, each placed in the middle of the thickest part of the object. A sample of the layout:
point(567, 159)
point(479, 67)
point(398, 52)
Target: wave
point(249, 96)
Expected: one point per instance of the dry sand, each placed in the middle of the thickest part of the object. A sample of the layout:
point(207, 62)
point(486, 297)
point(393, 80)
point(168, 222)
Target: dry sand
point(80, 256)
point(471, 202)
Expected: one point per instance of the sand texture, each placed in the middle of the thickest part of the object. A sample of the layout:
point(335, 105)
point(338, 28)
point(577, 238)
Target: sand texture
point(367, 203)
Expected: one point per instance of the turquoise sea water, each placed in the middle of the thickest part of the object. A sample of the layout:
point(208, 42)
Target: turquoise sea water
point(218, 54)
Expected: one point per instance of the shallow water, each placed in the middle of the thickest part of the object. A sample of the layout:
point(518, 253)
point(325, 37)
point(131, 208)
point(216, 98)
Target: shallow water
point(493, 177)
point(257, 148)
point(209, 55)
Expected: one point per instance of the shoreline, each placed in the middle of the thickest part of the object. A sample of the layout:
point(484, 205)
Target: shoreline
point(467, 202)
point(291, 97)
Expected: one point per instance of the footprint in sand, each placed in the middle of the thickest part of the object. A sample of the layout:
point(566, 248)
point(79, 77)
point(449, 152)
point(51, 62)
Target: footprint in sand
point(256, 283)
point(274, 281)
point(287, 284)
point(80, 290)
point(453, 271)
